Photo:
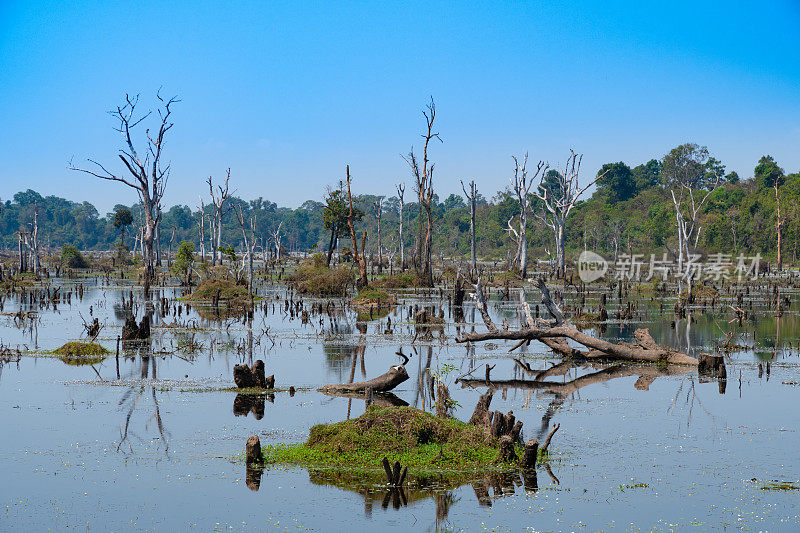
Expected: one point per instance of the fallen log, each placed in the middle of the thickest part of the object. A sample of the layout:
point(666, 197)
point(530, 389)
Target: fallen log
point(385, 382)
point(554, 335)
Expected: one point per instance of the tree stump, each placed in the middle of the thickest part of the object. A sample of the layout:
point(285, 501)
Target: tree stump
point(253, 451)
point(481, 416)
point(530, 454)
point(711, 364)
point(505, 452)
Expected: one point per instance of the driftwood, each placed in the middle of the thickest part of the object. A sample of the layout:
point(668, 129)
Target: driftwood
point(554, 335)
point(385, 382)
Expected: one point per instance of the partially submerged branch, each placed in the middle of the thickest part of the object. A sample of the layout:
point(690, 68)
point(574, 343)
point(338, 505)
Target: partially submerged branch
point(554, 335)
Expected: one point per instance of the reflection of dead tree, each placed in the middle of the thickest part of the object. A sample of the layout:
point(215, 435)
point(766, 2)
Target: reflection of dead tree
point(554, 335)
point(131, 400)
point(647, 374)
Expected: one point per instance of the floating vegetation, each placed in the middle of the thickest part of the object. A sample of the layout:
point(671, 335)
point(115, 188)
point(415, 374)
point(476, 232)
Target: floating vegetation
point(780, 485)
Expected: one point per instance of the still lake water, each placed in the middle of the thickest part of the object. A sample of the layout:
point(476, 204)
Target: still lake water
point(161, 448)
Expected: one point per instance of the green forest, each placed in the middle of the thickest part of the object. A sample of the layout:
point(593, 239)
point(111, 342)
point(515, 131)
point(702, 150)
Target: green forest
point(630, 210)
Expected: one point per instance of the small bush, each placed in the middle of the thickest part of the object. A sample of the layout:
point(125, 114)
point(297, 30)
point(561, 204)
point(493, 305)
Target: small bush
point(71, 257)
point(313, 277)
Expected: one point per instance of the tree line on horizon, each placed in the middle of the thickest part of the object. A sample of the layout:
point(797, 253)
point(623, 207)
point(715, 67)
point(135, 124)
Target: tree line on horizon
point(631, 210)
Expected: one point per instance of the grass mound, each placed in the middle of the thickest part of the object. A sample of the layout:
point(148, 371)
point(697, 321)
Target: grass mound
point(81, 353)
point(370, 297)
point(313, 277)
point(417, 439)
point(227, 289)
point(403, 280)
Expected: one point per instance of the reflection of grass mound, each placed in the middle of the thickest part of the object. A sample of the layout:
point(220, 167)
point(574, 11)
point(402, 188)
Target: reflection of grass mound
point(417, 439)
point(81, 353)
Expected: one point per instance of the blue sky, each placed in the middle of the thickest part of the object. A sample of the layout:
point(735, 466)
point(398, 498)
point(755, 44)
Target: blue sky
point(286, 94)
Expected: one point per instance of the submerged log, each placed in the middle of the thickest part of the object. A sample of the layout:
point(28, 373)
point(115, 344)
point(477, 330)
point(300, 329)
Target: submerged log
point(385, 382)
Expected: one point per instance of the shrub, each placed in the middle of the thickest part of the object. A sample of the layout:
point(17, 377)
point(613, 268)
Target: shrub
point(313, 277)
point(71, 257)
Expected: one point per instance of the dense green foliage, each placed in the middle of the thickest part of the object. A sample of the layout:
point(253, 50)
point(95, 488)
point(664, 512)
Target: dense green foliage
point(630, 211)
point(71, 257)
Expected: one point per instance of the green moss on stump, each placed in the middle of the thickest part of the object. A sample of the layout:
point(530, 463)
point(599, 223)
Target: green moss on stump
point(419, 440)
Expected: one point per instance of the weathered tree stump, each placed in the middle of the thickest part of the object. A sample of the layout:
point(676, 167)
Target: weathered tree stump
point(131, 331)
point(497, 425)
point(530, 454)
point(442, 400)
point(253, 451)
point(246, 377)
point(394, 475)
point(711, 364)
point(505, 452)
point(481, 416)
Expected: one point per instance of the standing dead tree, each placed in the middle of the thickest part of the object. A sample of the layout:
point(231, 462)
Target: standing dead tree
point(359, 258)
point(377, 209)
point(401, 190)
point(201, 228)
point(558, 199)
point(148, 176)
point(423, 174)
point(522, 188)
point(472, 198)
point(220, 210)
point(554, 334)
point(248, 227)
point(277, 238)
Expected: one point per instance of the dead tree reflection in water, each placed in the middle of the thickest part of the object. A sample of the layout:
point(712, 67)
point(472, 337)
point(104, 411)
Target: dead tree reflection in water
point(135, 396)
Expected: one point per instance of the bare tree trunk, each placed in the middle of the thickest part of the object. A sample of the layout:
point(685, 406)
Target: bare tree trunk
point(424, 188)
point(778, 225)
point(472, 198)
point(358, 258)
point(401, 189)
point(378, 210)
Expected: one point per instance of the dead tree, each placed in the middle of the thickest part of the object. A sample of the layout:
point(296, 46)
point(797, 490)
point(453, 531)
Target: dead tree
point(687, 210)
point(522, 187)
point(558, 199)
point(277, 238)
point(778, 222)
point(248, 227)
point(201, 227)
point(359, 258)
point(377, 209)
point(220, 210)
point(148, 176)
point(554, 334)
point(396, 375)
point(401, 190)
point(472, 197)
point(423, 174)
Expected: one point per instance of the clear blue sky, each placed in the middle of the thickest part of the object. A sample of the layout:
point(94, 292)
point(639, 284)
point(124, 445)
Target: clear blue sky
point(286, 94)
